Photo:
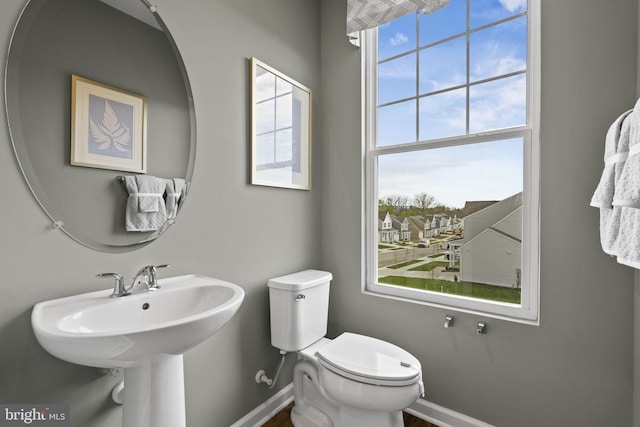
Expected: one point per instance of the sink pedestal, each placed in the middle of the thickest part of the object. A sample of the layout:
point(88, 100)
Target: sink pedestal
point(154, 393)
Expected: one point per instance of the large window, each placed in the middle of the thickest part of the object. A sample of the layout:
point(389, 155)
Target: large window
point(451, 112)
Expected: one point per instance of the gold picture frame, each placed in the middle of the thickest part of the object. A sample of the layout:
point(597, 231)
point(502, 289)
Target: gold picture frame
point(108, 127)
point(280, 129)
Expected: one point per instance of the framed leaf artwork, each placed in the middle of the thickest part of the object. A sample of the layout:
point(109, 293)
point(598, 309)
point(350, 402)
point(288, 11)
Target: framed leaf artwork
point(108, 127)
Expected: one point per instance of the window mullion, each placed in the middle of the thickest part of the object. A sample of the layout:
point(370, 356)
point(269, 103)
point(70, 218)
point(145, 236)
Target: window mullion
point(417, 93)
point(468, 68)
point(369, 131)
point(501, 134)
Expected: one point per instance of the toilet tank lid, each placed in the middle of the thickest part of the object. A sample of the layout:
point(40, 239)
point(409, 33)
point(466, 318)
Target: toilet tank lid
point(300, 280)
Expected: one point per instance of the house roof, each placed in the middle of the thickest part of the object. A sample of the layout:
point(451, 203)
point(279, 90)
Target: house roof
point(491, 230)
point(510, 203)
point(476, 205)
point(490, 217)
point(416, 224)
point(382, 214)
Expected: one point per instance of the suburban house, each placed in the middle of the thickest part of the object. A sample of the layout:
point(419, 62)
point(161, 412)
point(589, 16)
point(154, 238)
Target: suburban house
point(491, 249)
point(403, 226)
point(418, 227)
point(394, 228)
point(386, 232)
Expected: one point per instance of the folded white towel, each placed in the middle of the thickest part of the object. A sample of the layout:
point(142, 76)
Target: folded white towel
point(627, 247)
point(146, 210)
point(615, 154)
point(618, 193)
point(627, 186)
point(175, 187)
point(626, 199)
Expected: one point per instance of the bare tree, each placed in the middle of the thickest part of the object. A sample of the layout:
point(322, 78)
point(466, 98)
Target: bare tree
point(400, 202)
point(395, 203)
point(424, 201)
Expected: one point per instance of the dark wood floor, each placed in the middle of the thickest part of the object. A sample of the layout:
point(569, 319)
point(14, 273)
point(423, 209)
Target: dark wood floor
point(282, 419)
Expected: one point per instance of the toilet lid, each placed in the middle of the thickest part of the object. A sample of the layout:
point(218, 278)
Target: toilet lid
point(369, 360)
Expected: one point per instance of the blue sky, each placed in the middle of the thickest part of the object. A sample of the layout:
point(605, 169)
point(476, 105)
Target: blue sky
point(454, 175)
point(490, 171)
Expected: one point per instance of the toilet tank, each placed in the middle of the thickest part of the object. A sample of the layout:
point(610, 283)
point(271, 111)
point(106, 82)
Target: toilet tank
point(299, 306)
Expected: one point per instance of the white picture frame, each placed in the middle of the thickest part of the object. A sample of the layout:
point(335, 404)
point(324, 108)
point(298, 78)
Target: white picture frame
point(108, 127)
point(280, 129)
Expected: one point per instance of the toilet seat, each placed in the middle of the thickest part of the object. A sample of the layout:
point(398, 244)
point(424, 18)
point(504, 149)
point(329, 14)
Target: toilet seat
point(369, 360)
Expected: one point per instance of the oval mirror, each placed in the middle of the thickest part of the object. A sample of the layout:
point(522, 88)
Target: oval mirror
point(135, 81)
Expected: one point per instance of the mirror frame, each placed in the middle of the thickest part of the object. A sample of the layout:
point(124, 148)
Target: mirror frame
point(27, 170)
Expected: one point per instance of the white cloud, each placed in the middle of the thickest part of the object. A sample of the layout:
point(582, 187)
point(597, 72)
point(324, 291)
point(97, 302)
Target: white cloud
point(454, 175)
point(401, 68)
point(498, 104)
point(514, 5)
point(496, 60)
point(398, 39)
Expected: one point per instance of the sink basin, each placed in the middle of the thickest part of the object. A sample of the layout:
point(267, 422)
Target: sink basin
point(94, 330)
point(145, 333)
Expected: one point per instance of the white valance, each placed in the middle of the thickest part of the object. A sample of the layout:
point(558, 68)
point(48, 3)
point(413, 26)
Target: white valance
point(365, 14)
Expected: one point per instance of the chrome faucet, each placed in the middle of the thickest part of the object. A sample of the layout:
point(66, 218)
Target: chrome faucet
point(118, 290)
point(147, 275)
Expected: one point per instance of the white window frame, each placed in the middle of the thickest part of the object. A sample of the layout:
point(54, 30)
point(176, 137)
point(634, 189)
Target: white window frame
point(526, 312)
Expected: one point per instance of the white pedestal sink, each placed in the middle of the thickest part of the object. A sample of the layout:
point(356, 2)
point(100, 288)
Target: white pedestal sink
point(145, 333)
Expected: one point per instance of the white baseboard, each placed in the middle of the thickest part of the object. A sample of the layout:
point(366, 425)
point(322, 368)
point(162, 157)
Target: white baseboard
point(422, 409)
point(268, 409)
point(442, 416)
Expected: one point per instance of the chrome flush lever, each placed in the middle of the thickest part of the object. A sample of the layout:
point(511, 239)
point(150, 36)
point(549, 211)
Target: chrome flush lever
point(481, 328)
point(448, 321)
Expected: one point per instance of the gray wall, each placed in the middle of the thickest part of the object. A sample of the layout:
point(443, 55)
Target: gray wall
point(227, 229)
point(575, 369)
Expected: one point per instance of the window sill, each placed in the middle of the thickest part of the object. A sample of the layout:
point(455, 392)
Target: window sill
point(501, 311)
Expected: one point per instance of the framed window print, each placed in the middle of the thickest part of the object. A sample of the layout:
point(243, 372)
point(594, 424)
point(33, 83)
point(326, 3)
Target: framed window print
point(108, 127)
point(280, 129)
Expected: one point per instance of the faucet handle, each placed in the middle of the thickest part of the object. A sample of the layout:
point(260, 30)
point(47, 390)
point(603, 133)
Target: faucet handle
point(118, 289)
point(153, 281)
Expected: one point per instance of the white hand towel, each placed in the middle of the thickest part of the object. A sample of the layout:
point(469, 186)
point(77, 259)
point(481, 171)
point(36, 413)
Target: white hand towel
point(626, 200)
point(615, 154)
point(627, 186)
point(146, 210)
point(618, 193)
point(175, 187)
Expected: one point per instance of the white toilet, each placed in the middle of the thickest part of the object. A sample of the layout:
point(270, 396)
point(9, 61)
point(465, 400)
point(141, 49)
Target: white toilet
point(351, 381)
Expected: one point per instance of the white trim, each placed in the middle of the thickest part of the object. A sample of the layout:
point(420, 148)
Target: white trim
point(442, 416)
point(528, 311)
point(268, 409)
point(422, 409)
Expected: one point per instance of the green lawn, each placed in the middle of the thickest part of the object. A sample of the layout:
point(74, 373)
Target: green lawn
point(430, 266)
point(404, 264)
point(468, 289)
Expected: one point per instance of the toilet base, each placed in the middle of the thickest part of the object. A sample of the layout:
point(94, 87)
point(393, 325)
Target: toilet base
point(314, 408)
point(312, 417)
